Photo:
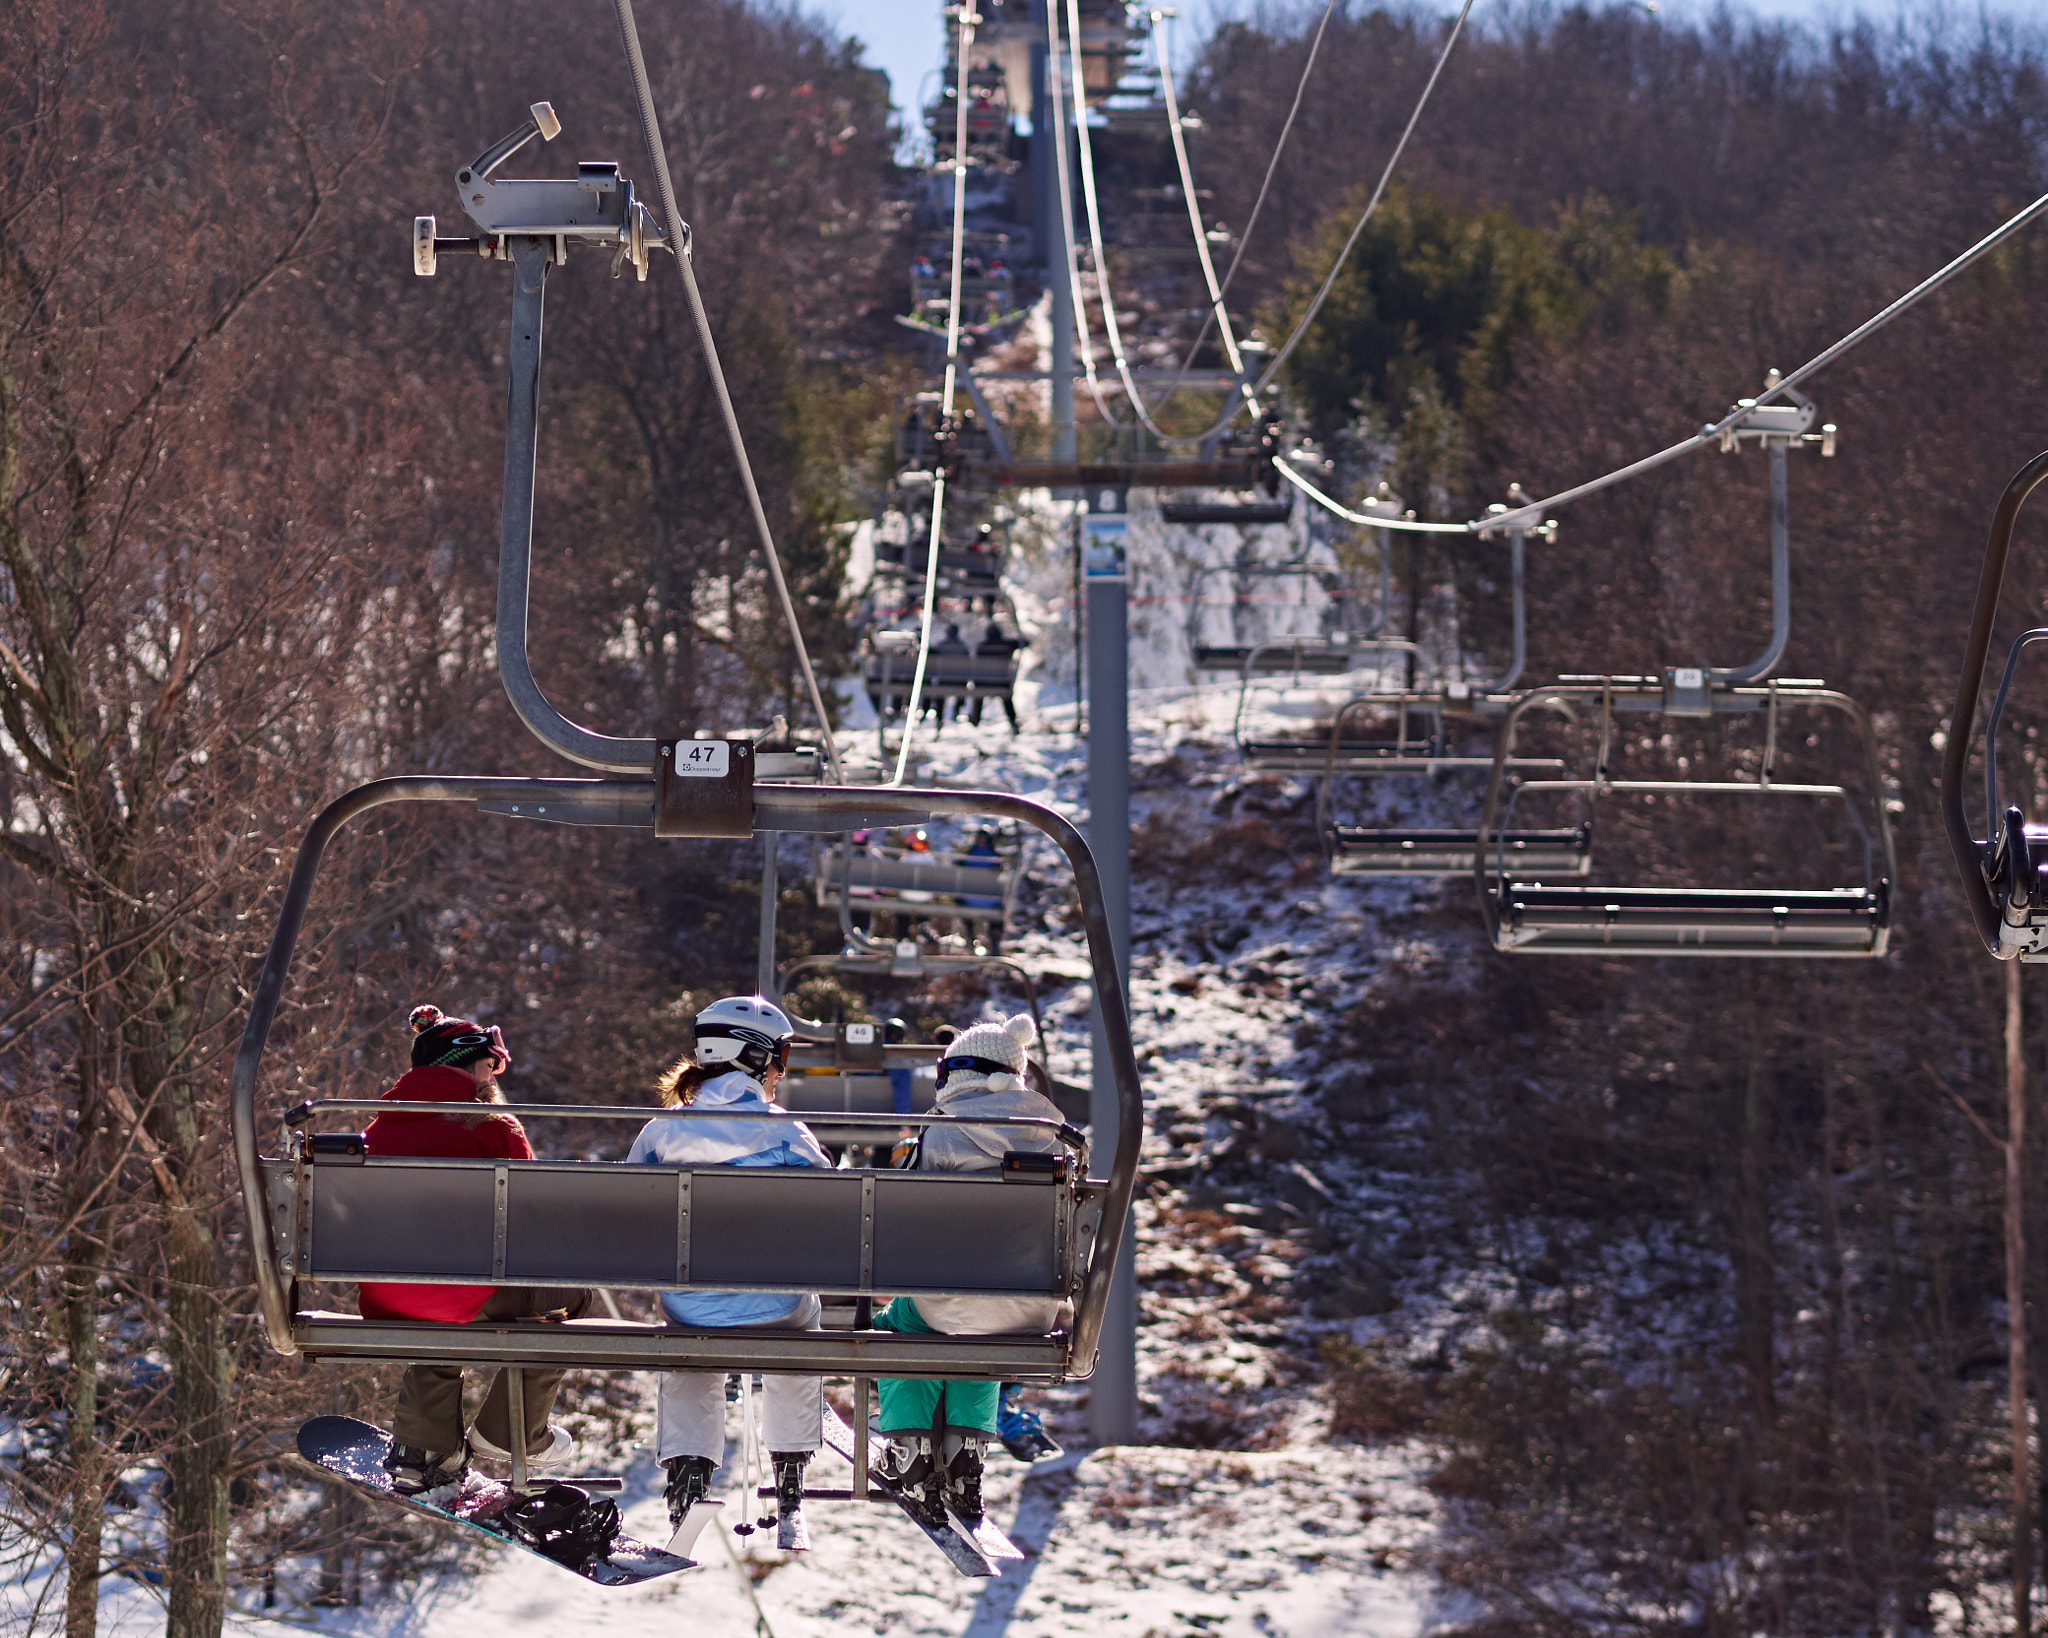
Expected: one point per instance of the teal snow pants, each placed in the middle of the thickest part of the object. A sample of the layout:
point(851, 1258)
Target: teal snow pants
point(918, 1405)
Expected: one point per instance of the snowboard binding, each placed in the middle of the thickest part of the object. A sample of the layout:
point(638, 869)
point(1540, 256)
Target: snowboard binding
point(564, 1523)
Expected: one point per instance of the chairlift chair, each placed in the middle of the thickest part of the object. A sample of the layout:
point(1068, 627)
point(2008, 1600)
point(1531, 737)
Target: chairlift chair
point(1528, 915)
point(969, 669)
point(322, 1211)
point(886, 879)
point(2005, 874)
point(1379, 850)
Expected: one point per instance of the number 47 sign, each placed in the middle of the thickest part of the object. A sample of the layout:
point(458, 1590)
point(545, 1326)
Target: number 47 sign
point(703, 759)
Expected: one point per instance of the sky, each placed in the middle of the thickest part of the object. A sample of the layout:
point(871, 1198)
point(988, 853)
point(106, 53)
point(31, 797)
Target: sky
point(903, 37)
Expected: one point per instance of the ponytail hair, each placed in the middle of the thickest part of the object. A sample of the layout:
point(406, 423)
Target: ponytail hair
point(677, 1085)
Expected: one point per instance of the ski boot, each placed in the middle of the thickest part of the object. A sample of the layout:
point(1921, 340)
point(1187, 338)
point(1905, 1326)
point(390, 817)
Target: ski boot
point(792, 1535)
point(559, 1446)
point(689, 1482)
point(963, 1477)
point(1020, 1430)
point(789, 1478)
point(907, 1466)
point(414, 1471)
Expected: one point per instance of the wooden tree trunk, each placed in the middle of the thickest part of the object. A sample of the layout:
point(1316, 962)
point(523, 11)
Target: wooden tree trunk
point(201, 1433)
point(85, 1257)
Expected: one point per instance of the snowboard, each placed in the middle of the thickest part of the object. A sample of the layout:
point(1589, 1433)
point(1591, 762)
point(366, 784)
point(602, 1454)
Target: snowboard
point(971, 1549)
point(355, 1451)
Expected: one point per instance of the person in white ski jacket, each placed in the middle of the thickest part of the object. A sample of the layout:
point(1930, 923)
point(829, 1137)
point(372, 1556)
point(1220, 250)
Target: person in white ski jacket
point(982, 1076)
point(752, 1036)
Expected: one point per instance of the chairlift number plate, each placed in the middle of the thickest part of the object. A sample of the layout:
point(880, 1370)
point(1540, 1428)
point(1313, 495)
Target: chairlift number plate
point(703, 759)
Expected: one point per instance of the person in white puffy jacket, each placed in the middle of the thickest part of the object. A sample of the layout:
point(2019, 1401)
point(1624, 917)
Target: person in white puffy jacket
point(936, 1429)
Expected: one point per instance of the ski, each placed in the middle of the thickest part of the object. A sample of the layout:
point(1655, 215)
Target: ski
point(792, 1535)
point(983, 1533)
point(355, 1451)
point(699, 1514)
point(960, 1549)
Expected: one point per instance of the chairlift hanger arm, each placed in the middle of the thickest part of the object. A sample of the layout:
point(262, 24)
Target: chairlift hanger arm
point(1970, 853)
point(776, 807)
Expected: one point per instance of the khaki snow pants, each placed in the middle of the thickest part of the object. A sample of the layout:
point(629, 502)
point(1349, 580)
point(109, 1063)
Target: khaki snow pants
point(429, 1413)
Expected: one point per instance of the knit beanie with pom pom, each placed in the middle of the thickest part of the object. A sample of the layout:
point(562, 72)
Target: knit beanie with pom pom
point(991, 1050)
point(438, 1039)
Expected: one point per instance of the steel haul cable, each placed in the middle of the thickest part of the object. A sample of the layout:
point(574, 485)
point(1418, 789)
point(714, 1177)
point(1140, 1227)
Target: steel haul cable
point(1054, 72)
point(679, 242)
point(1265, 186)
point(1713, 430)
point(931, 569)
point(1110, 329)
point(1250, 394)
point(1161, 34)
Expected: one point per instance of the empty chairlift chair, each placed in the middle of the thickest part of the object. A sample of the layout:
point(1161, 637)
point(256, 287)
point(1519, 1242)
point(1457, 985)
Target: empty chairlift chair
point(1382, 850)
point(1352, 753)
point(1293, 663)
point(1527, 914)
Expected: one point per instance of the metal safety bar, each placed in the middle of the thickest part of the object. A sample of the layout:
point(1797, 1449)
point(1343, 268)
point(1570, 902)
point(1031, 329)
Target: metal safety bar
point(1323, 659)
point(300, 1113)
point(821, 809)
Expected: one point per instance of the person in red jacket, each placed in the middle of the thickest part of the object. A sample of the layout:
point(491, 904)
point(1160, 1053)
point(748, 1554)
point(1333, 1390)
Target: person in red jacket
point(458, 1063)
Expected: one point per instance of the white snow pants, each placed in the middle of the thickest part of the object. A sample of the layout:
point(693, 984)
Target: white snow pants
point(690, 1419)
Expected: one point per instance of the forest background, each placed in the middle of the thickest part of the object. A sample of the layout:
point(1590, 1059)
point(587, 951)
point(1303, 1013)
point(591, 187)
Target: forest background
point(248, 492)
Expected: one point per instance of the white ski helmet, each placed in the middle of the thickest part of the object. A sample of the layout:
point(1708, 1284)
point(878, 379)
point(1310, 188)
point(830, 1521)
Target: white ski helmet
point(748, 1030)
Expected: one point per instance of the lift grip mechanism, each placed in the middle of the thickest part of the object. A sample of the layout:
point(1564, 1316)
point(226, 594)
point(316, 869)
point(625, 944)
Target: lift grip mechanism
point(598, 208)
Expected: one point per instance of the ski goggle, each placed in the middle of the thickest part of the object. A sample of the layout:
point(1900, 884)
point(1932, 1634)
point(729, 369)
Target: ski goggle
point(776, 1050)
point(971, 1065)
point(464, 1046)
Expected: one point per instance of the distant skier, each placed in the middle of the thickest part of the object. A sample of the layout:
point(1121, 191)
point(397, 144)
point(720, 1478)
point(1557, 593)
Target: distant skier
point(456, 1062)
point(936, 1429)
point(741, 1051)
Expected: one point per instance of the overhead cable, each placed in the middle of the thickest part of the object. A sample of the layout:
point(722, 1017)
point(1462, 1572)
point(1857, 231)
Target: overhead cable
point(1315, 45)
point(679, 241)
point(1085, 345)
point(1315, 306)
point(1712, 432)
point(1110, 329)
point(1162, 35)
point(1250, 395)
point(1336, 509)
point(965, 43)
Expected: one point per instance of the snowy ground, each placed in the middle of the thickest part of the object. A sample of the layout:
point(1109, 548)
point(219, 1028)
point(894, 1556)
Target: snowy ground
point(1287, 1532)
